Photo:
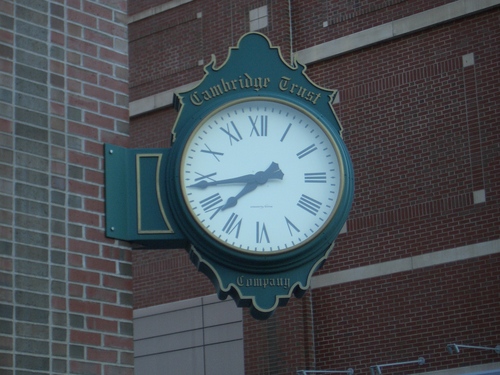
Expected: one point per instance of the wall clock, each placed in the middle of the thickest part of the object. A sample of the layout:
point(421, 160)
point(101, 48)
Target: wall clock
point(261, 176)
point(257, 184)
point(260, 180)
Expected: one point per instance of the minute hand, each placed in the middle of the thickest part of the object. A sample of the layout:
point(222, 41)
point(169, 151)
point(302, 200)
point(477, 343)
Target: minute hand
point(272, 172)
point(236, 180)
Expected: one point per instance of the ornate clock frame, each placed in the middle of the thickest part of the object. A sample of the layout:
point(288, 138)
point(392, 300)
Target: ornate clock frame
point(155, 217)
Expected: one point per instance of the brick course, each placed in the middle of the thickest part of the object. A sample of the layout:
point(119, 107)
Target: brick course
point(420, 122)
point(58, 93)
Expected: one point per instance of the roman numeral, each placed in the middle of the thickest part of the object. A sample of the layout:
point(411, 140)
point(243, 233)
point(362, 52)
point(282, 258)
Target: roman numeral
point(306, 151)
point(232, 224)
point(208, 203)
point(214, 153)
point(236, 137)
point(286, 132)
point(263, 126)
point(318, 177)
point(261, 233)
point(212, 203)
point(205, 176)
point(291, 226)
point(309, 204)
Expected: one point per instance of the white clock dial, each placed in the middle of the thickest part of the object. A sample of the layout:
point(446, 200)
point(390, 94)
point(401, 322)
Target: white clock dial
point(261, 176)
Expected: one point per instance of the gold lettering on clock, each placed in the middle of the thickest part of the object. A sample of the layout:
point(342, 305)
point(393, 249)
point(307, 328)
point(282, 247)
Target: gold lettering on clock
point(243, 82)
point(263, 282)
point(293, 88)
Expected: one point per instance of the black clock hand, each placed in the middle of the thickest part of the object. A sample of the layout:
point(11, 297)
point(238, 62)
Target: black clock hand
point(231, 202)
point(236, 180)
point(272, 172)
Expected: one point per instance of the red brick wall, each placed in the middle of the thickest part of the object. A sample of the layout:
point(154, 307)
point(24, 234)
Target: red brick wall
point(283, 343)
point(153, 130)
point(162, 276)
point(423, 134)
point(164, 54)
point(165, 50)
point(345, 17)
point(407, 315)
point(66, 290)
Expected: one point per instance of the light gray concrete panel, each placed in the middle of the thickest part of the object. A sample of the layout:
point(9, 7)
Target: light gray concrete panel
point(157, 9)
point(168, 343)
point(224, 359)
point(185, 362)
point(198, 336)
point(221, 313)
point(485, 369)
point(224, 333)
point(168, 323)
point(168, 307)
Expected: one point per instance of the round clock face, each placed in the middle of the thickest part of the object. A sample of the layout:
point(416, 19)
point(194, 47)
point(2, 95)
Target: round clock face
point(261, 176)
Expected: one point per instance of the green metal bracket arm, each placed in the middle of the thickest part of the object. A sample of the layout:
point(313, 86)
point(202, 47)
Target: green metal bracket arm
point(136, 198)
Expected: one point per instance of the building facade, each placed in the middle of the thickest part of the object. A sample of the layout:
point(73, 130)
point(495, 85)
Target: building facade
point(65, 289)
point(416, 267)
point(414, 274)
